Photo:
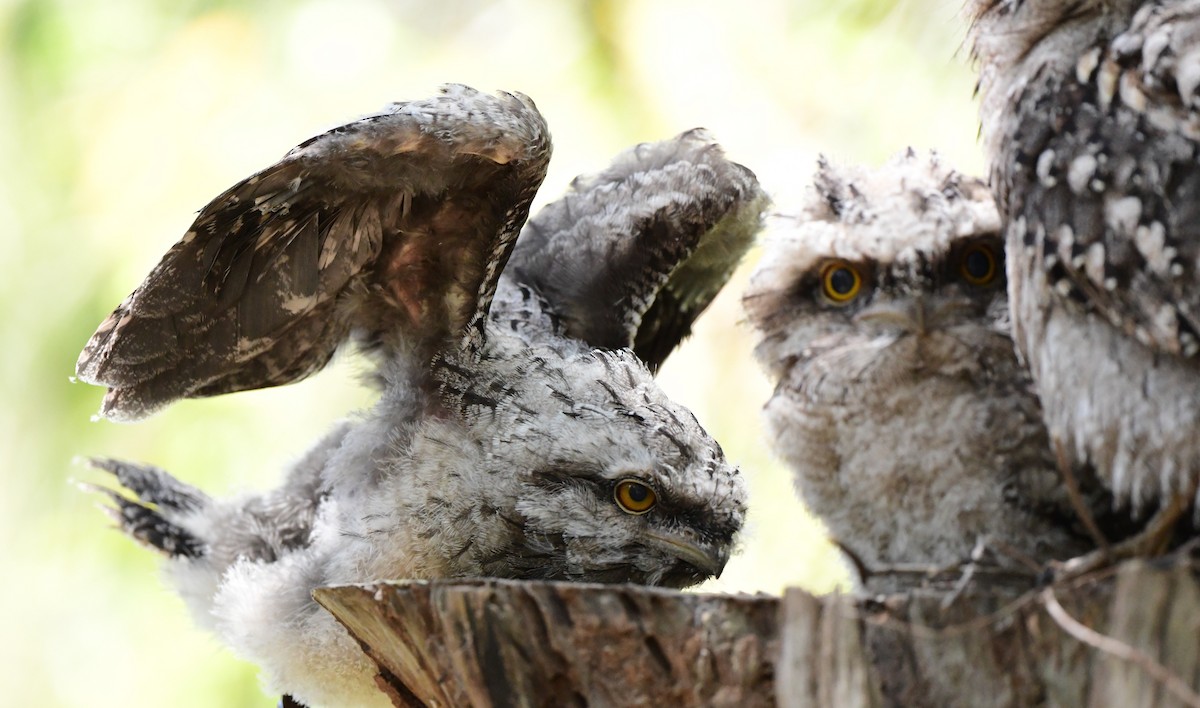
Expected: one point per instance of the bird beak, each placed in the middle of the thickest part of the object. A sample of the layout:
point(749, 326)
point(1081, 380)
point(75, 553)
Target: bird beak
point(907, 316)
point(701, 556)
point(915, 316)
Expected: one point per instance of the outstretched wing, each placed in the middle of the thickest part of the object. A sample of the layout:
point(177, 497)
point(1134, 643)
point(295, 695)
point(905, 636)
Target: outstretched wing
point(393, 228)
point(632, 255)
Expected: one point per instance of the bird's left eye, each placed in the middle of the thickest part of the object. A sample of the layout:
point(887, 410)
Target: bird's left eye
point(978, 265)
point(634, 497)
point(840, 282)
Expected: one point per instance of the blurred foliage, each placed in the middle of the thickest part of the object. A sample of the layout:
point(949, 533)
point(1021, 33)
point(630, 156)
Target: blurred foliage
point(119, 119)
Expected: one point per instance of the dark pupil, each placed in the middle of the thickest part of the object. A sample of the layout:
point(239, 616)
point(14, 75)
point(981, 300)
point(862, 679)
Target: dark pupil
point(841, 281)
point(978, 265)
point(638, 493)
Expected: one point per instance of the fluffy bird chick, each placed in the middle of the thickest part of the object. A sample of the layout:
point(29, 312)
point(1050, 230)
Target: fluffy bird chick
point(1091, 121)
point(518, 434)
point(899, 402)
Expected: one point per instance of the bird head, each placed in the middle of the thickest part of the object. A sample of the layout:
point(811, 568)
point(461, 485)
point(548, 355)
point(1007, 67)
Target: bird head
point(906, 260)
point(609, 482)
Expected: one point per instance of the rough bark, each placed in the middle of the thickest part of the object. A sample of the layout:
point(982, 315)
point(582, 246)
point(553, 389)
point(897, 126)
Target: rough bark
point(1127, 638)
point(999, 649)
point(507, 643)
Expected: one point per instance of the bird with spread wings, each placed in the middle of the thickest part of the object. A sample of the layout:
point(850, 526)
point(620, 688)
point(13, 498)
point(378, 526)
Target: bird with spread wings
point(519, 431)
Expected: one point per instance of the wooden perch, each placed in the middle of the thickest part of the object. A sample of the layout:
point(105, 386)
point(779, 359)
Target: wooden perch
point(502, 643)
point(1130, 638)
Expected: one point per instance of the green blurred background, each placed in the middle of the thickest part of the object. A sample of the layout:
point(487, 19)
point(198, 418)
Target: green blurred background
point(120, 118)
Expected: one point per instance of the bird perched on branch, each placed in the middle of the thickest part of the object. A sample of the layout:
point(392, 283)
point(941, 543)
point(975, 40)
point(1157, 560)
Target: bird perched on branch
point(1091, 122)
point(518, 433)
point(912, 429)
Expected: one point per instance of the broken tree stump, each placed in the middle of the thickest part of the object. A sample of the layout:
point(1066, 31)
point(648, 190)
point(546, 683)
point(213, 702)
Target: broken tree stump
point(1000, 649)
point(1125, 638)
point(510, 643)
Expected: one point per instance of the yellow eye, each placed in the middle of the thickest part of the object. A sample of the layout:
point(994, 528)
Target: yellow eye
point(978, 265)
point(634, 497)
point(840, 282)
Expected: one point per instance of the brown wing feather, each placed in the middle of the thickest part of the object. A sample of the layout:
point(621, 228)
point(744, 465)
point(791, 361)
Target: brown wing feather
point(393, 228)
point(632, 255)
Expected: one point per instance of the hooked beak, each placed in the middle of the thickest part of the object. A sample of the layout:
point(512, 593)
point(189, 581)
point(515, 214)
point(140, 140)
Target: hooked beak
point(915, 315)
point(700, 556)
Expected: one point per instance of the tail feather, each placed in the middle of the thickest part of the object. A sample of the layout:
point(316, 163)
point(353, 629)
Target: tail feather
point(160, 499)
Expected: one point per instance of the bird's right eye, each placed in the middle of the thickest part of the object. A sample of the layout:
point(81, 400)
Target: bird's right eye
point(634, 497)
point(979, 266)
point(840, 282)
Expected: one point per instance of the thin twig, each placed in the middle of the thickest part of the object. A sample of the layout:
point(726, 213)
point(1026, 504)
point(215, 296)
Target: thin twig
point(1000, 547)
point(934, 572)
point(1005, 613)
point(1147, 542)
point(1111, 645)
point(860, 567)
point(1076, 497)
point(967, 574)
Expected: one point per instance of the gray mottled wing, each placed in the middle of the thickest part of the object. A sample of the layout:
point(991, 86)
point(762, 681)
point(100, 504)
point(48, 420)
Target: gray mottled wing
point(631, 256)
point(1104, 189)
point(392, 228)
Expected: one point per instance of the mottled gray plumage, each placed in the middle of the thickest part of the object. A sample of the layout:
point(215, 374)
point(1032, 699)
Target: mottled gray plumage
point(900, 405)
point(641, 291)
point(502, 452)
point(1091, 124)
